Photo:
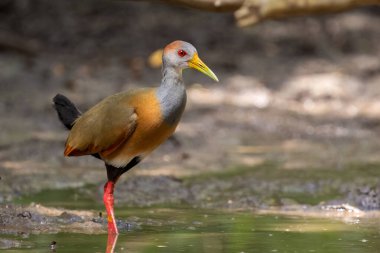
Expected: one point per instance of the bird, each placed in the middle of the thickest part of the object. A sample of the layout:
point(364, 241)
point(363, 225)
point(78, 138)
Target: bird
point(122, 129)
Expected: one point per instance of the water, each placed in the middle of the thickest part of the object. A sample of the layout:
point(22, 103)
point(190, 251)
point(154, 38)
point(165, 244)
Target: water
point(183, 229)
point(189, 230)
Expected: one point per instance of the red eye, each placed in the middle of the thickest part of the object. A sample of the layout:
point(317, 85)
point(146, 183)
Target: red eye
point(182, 53)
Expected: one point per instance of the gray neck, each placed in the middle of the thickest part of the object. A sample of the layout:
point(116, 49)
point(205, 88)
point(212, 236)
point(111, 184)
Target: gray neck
point(172, 95)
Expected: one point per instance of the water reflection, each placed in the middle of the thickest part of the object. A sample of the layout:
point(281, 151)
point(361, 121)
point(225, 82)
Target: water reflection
point(245, 232)
point(200, 231)
point(111, 243)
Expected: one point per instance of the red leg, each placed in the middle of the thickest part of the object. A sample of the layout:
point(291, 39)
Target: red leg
point(108, 202)
point(111, 243)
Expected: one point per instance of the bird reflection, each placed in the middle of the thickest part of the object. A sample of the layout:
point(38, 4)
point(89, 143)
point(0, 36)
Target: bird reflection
point(111, 242)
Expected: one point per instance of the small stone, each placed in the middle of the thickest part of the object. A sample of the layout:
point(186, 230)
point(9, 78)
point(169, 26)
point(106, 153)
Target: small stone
point(53, 245)
point(25, 214)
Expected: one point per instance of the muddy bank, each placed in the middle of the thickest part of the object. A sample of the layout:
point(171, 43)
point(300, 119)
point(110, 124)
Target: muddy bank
point(245, 188)
point(37, 219)
point(262, 186)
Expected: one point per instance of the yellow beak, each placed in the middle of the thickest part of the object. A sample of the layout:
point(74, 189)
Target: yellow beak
point(197, 63)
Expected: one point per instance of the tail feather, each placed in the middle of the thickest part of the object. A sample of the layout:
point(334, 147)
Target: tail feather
point(66, 110)
point(68, 113)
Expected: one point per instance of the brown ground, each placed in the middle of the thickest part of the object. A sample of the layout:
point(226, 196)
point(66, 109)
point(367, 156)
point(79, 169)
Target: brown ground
point(302, 94)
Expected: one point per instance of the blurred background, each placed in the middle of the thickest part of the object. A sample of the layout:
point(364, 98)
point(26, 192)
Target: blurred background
point(295, 119)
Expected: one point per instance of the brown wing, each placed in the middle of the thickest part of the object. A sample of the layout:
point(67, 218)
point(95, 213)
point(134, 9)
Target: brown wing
point(103, 128)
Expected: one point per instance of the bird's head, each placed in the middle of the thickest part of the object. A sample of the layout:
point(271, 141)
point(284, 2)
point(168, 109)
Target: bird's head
point(181, 55)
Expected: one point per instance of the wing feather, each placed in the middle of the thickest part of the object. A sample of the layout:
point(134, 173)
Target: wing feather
point(103, 128)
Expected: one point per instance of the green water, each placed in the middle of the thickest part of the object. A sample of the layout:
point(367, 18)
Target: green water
point(190, 230)
point(183, 229)
point(71, 198)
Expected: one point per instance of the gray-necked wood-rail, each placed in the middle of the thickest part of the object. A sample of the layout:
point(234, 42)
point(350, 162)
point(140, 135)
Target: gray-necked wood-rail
point(124, 128)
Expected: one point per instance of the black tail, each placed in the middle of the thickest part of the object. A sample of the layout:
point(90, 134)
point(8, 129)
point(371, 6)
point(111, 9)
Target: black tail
point(67, 113)
point(66, 110)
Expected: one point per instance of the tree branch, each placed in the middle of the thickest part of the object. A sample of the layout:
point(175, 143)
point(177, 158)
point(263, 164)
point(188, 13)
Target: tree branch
point(250, 12)
point(209, 5)
point(254, 11)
